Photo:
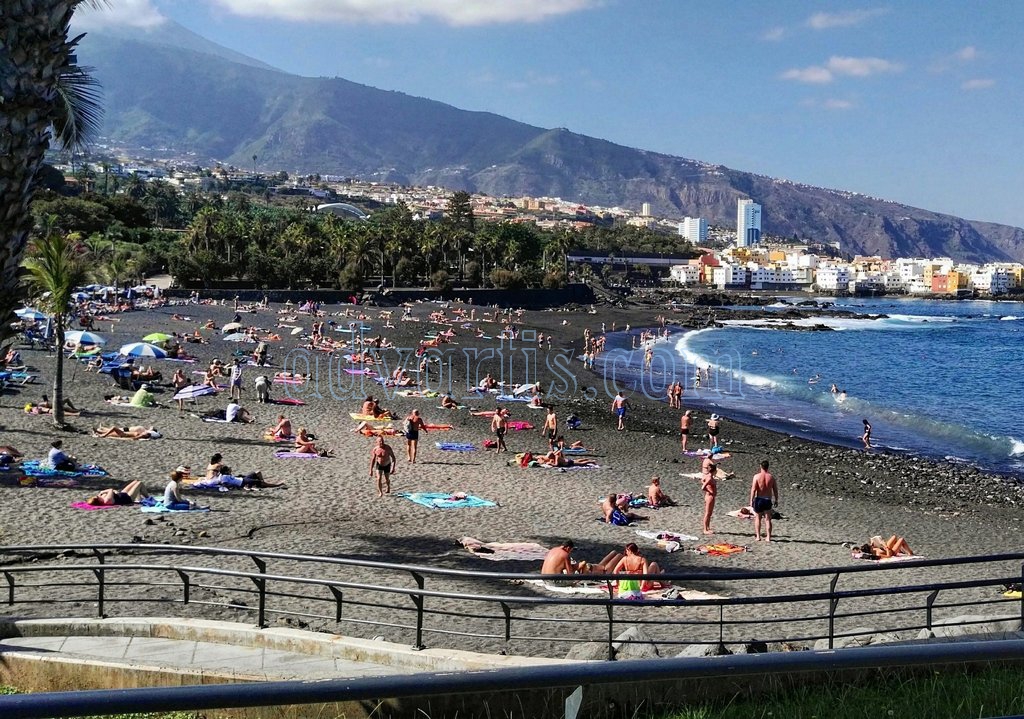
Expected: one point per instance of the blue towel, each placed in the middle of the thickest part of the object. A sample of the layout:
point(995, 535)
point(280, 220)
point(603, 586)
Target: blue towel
point(455, 446)
point(156, 506)
point(440, 500)
point(35, 468)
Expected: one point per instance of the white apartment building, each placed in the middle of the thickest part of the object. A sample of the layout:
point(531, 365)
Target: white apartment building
point(994, 280)
point(833, 277)
point(772, 277)
point(729, 276)
point(694, 229)
point(748, 223)
point(645, 209)
point(685, 274)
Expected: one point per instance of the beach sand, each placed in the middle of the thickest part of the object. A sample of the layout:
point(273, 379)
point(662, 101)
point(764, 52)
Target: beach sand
point(829, 495)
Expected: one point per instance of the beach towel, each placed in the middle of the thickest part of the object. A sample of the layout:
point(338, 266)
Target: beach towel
point(359, 371)
point(1012, 594)
point(519, 425)
point(368, 417)
point(669, 541)
point(299, 455)
point(857, 554)
point(272, 438)
point(536, 406)
point(458, 406)
point(23, 480)
point(159, 508)
point(281, 380)
point(438, 427)
point(505, 551)
point(485, 413)
point(511, 398)
point(35, 468)
point(455, 446)
point(416, 393)
point(577, 587)
point(569, 469)
point(288, 400)
point(87, 506)
point(719, 550)
point(442, 500)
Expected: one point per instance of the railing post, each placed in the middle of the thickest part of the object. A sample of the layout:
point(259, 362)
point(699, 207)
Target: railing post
point(611, 622)
point(508, 621)
point(10, 587)
point(261, 585)
point(833, 602)
point(928, 608)
point(186, 586)
point(338, 596)
point(417, 599)
point(100, 584)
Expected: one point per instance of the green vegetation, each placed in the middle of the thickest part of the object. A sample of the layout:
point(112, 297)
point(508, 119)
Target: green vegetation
point(955, 694)
point(5, 690)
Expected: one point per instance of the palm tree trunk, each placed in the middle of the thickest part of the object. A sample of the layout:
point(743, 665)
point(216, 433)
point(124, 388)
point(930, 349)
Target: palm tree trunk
point(58, 376)
point(33, 49)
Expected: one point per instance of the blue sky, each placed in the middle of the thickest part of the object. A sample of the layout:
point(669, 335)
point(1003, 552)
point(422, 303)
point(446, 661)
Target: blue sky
point(918, 101)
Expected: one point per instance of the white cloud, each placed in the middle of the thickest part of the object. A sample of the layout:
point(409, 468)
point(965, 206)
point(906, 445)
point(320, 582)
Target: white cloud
point(966, 54)
point(980, 83)
point(121, 13)
point(451, 12)
point(774, 34)
point(813, 75)
point(861, 66)
point(841, 66)
point(533, 80)
point(834, 103)
point(848, 18)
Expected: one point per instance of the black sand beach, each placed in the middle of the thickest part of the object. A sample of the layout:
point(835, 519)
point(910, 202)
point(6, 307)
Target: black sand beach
point(829, 495)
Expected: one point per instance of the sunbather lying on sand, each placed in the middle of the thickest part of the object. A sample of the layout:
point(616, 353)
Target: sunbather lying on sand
point(110, 497)
point(556, 458)
point(560, 561)
point(878, 548)
point(135, 432)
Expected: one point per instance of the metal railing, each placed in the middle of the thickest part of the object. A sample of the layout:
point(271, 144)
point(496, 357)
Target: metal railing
point(492, 611)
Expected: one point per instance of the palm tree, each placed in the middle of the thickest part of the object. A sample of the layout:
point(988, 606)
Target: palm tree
point(56, 266)
point(41, 88)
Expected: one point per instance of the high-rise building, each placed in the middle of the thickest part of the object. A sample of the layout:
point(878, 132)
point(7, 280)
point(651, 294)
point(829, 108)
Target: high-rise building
point(645, 209)
point(748, 223)
point(694, 229)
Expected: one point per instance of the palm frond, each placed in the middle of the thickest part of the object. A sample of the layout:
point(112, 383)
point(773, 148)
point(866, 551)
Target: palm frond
point(79, 111)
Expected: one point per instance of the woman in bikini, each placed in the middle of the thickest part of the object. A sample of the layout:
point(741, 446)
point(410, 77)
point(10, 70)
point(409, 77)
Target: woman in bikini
point(110, 497)
point(634, 563)
point(382, 466)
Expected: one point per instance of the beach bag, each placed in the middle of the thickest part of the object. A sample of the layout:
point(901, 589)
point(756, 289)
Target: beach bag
point(406, 427)
point(490, 444)
point(573, 422)
point(524, 462)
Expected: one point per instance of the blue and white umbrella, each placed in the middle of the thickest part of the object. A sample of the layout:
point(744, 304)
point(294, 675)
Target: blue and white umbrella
point(28, 313)
point(238, 337)
point(80, 296)
point(142, 349)
point(85, 338)
point(193, 391)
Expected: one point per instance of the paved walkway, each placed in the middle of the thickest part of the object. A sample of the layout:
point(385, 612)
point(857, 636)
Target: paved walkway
point(246, 662)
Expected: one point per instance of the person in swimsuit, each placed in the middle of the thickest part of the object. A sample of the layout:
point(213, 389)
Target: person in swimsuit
point(413, 425)
point(617, 513)
point(619, 406)
point(764, 494)
point(382, 465)
point(129, 494)
point(714, 427)
point(499, 425)
point(709, 486)
point(684, 427)
point(878, 548)
point(866, 437)
point(550, 428)
point(656, 497)
point(633, 563)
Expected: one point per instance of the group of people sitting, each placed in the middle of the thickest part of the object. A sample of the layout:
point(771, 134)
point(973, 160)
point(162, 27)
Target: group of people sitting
point(559, 561)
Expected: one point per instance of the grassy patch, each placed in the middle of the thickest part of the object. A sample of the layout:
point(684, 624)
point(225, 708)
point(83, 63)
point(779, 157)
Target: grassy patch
point(159, 715)
point(955, 694)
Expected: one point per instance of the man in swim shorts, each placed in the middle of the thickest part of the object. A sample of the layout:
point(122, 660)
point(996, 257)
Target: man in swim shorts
point(619, 406)
point(382, 465)
point(764, 494)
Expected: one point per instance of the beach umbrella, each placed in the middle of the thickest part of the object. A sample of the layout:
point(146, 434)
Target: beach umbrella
point(231, 327)
point(296, 330)
point(193, 391)
point(238, 337)
point(28, 313)
point(142, 349)
point(93, 288)
point(157, 337)
point(79, 296)
point(85, 338)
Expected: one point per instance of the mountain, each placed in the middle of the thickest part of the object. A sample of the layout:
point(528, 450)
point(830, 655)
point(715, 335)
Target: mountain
point(174, 89)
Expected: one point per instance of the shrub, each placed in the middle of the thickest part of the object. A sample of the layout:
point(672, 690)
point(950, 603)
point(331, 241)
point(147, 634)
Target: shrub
point(507, 279)
point(440, 280)
point(554, 280)
point(473, 275)
point(405, 273)
point(351, 277)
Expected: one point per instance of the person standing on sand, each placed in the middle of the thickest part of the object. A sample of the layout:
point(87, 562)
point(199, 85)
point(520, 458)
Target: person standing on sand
point(382, 465)
point(619, 406)
point(499, 425)
point(550, 428)
point(714, 427)
point(236, 379)
point(764, 494)
point(684, 427)
point(413, 424)
point(866, 437)
point(709, 486)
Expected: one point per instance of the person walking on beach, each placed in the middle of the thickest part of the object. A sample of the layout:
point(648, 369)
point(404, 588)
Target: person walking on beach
point(677, 393)
point(236, 379)
point(866, 437)
point(709, 486)
point(499, 425)
point(684, 427)
point(764, 495)
point(619, 406)
point(411, 428)
point(382, 466)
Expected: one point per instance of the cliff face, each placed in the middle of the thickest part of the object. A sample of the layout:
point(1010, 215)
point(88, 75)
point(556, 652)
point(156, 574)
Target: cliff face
point(187, 97)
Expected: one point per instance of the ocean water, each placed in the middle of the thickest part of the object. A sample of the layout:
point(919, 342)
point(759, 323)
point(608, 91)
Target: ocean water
point(941, 379)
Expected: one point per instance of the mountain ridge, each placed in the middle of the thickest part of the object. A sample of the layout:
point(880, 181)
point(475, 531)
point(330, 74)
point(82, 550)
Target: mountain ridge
point(227, 110)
